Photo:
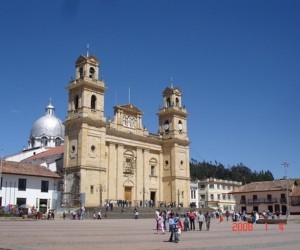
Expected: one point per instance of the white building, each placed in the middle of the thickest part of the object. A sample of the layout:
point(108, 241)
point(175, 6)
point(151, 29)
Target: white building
point(215, 193)
point(28, 184)
point(268, 195)
point(194, 202)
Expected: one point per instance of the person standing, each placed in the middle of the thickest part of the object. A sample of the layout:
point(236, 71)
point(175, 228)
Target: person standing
point(207, 220)
point(173, 229)
point(99, 215)
point(192, 217)
point(200, 219)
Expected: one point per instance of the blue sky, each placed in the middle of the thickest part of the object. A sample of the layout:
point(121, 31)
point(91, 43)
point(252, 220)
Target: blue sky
point(236, 62)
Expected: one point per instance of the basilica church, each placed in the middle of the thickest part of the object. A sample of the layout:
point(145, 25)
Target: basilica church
point(119, 159)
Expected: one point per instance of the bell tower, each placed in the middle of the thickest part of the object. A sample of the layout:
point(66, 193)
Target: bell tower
point(175, 146)
point(173, 116)
point(85, 130)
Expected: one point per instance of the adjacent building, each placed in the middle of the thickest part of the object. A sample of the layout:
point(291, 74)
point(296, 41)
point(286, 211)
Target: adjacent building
point(27, 184)
point(216, 193)
point(268, 196)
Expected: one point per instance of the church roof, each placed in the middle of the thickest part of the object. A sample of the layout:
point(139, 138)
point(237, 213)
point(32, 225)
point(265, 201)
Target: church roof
point(82, 59)
point(16, 168)
point(261, 186)
point(171, 90)
point(48, 125)
point(129, 108)
point(51, 152)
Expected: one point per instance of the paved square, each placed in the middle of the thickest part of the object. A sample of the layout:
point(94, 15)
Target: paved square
point(140, 234)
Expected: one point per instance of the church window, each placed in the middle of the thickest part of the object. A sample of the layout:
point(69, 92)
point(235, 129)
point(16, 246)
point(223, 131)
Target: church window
point(92, 189)
point(44, 141)
point(168, 102)
point(93, 102)
point(93, 148)
point(81, 72)
point(76, 102)
point(177, 102)
point(73, 149)
point(92, 73)
point(152, 170)
point(57, 142)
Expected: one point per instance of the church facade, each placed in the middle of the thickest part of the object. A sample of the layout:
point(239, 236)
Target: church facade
point(119, 159)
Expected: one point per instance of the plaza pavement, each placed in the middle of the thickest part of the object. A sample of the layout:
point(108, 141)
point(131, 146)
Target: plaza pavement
point(123, 234)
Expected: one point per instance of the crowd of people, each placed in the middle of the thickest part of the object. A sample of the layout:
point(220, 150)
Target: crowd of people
point(175, 223)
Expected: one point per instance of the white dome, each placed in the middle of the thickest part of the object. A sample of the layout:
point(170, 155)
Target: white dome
point(47, 130)
point(48, 126)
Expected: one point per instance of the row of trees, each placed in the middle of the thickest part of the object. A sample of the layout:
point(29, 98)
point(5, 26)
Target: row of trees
point(239, 172)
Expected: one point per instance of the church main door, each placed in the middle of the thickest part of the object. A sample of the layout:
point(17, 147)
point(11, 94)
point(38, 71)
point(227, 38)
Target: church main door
point(127, 194)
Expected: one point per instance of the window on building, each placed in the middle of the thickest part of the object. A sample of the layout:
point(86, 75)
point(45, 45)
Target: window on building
point(21, 201)
point(177, 102)
point(44, 186)
point(57, 142)
point(168, 102)
point(76, 102)
point(218, 186)
point(202, 187)
point(22, 185)
point(211, 186)
point(92, 73)
point(224, 196)
point(202, 196)
point(269, 197)
point(93, 102)
point(254, 198)
point(219, 197)
point(1, 182)
point(81, 73)
point(229, 196)
point(152, 170)
point(92, 189)
point(212, 197)
point(193, 194)
point(44, 141)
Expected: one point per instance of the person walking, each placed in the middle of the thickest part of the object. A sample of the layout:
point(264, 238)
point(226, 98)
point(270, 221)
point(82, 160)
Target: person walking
point(192, 217)
point(207, 220)
point(200, 219)
point(99, 215)
point(173, 229)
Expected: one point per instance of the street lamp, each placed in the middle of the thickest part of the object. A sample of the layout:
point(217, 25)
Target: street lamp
point(144, 191)
point(101, 190)
point(178, 194)
point(286, 165)
point(1, 150)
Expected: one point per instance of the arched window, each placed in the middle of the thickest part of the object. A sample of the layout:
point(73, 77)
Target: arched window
point(177, 102)
point(76, 102)
point(92, 73)
point(44, 141)
point(81, 73)
point(93, 102)
point(57, 141)
point(153, 164)
point(168, 102)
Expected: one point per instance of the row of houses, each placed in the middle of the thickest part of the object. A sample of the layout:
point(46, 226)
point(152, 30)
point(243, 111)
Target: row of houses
point(278, 195)
point(38, 186)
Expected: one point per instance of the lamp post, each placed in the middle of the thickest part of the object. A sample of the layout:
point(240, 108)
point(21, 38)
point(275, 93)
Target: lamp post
point(286, 165)
point(178, 195)
point(144, 192)
point(101, 190)
point(1, 150)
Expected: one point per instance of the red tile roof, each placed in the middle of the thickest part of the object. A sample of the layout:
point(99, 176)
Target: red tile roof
point(51, 152)
point(11, 167)
point(295, 192)
point(276, 185)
